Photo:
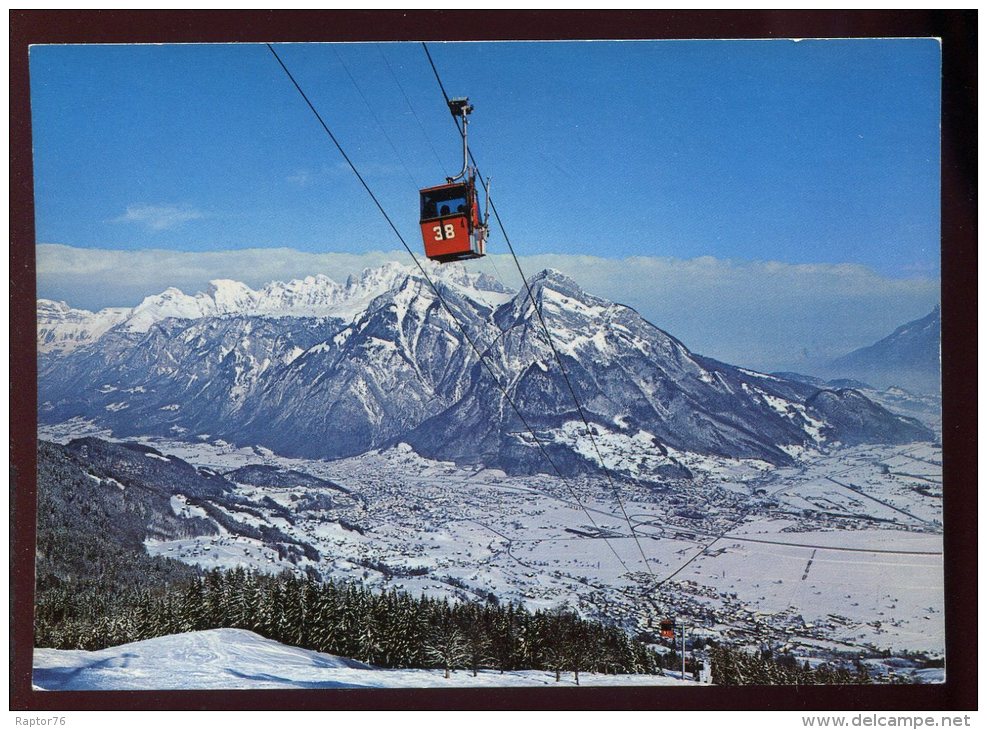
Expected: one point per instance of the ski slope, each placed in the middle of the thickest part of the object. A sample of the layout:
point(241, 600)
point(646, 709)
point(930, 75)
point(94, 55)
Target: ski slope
point(239, 659)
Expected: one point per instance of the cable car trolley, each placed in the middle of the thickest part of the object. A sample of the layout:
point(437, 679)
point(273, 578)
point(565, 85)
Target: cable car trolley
point(667, 628)
point(452, 229)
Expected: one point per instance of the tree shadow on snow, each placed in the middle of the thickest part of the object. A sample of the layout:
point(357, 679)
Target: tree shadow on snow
point(66, 678)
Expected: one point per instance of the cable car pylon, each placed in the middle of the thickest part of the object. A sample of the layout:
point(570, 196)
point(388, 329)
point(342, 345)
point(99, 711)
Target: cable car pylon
point(451, 225)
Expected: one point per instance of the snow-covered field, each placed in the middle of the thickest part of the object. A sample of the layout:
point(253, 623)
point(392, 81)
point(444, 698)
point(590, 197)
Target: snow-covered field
point(840, 555)
point(238, 659)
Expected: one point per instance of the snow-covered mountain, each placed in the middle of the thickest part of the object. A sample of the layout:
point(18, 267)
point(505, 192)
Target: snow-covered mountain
point(62, 328)
point(314, 368)
point(634, 381)
point(909, 357)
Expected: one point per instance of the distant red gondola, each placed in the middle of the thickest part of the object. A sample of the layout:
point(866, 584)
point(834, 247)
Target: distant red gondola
point(452, 229)
point(667, 628)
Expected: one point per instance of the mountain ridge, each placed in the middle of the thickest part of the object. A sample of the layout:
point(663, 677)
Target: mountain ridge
point(66, 328)
point(395, 365)
point(908, 357)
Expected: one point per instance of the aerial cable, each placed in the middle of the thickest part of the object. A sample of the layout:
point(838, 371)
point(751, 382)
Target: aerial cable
point(442, 301)
point(343, 153)
point(412, 108)
point(370, 108)
point(548, 335)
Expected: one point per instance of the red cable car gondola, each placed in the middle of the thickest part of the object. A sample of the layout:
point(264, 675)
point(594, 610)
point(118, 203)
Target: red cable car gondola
point(452, 229)
point(667, 628)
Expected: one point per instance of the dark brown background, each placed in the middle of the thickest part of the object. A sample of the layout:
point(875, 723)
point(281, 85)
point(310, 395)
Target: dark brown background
point(957, 29)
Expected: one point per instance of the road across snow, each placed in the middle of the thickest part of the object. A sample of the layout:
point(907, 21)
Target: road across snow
point(239, 659)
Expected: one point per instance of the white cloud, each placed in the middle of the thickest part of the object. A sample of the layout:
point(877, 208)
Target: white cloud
point(768, 315)
point(96, 278)
point(158, 217)
point(302, 178)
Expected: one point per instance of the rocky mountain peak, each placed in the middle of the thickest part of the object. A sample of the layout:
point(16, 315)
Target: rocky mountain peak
point(313, 368)
point(230, 296)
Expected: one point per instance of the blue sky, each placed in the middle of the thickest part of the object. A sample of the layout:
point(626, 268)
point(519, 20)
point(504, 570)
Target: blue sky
point(811, 152)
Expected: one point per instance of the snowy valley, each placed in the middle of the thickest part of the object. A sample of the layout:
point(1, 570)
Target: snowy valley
point(350, 432)
point(840, 557)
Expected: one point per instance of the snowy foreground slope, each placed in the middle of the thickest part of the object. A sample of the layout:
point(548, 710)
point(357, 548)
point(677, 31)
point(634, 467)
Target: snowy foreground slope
point(238, 659)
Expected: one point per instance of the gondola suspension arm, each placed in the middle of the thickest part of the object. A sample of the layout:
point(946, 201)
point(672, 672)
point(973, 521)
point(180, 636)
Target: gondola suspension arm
point(461, 108)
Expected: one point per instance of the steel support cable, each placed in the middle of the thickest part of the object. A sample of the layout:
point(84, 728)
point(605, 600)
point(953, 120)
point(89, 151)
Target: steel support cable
point(412, 108)
point(373, 114)
point(441, 299)
point(551, 343)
